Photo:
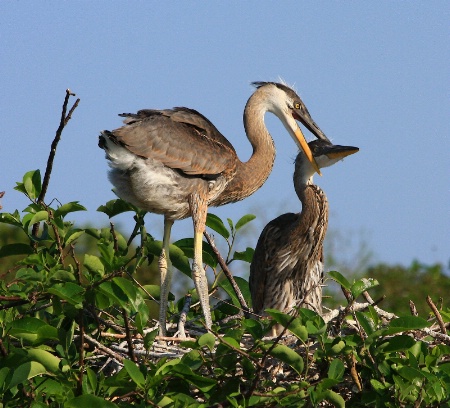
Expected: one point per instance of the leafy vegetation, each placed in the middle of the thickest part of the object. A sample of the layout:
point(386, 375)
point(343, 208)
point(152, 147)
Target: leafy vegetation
point(76, 328)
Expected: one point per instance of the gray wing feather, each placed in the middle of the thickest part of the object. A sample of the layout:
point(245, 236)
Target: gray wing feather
point(180, 138)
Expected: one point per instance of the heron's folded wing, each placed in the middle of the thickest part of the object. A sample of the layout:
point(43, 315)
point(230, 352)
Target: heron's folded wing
point(180, 138)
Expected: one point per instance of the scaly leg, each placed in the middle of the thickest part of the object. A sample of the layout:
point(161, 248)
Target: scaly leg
point(199, 209)
point(165, 270)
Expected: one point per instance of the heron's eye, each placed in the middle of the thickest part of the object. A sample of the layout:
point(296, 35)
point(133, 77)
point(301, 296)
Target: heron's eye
point(296, 105)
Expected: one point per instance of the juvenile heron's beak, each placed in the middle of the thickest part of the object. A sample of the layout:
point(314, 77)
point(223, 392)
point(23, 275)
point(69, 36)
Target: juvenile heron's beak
point(339, 152)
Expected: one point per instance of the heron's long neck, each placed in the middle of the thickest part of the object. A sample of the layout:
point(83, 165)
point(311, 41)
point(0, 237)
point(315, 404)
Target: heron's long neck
point(313, 221)
point(251, 175)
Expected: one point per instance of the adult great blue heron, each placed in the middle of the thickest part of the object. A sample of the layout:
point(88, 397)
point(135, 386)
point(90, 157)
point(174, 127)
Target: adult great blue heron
point(287, 267)
point(176, 163)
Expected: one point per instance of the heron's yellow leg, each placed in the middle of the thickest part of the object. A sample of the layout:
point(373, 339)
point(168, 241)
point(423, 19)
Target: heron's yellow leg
point(199, 209)
point(165, 270)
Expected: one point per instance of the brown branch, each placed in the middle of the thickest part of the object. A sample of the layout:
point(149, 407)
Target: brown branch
point(57, 237)
point(227, 272)
point(437, 314)
point(129, 338)
point(173, 339)
point(3, 350)
point(63, 122)
point(77, 263)
point(183, 316)
point(351, 361)
point(81, 358)
point(113, 233)
point(413, 309)
point(103, 348)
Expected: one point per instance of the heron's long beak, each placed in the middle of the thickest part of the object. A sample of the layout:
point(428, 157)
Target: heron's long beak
point(305, 118)
point(304, 146)
point(301, 114)
point(338, 151)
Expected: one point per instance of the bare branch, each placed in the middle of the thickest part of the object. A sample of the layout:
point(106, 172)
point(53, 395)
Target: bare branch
point(437, 314)
point(63, 122)
point(183, 316)
point(227, 272)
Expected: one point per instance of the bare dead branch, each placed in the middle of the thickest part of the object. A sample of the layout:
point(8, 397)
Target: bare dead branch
point(183, 316)
point(437, 314)
point(128, 334)
point(227, 272)
point(103, 348)
point(63, 122)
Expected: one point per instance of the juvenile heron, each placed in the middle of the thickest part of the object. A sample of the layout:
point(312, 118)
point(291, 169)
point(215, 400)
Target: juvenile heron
point(176, 163)
point(287, 267)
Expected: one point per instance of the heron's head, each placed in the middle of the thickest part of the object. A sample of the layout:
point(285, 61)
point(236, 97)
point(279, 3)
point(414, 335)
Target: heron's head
point(325, 154)
point(289, 108)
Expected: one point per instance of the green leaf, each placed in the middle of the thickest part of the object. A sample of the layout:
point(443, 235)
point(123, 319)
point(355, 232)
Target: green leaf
point(28, 329)
point(68, 208)
point(314, 323)
point(193, 359)
point(135, 373)
point(244, 220)
point(253, 327)
point(334, 398)
point(91, 401)
point(406, 323)
point(72, 236)
point(337, 346)
point(287, 355)
point(242, 285)
point(126, 294)
point(295, 326)
point(149, 338)
point(133, 294)
point(94, 265)
point(339, 278)
point(15, 249)
point(31, 184)
point(204, 384)
point(13, 219)
point(207, 340)
point(246, 256)
point(115, 207)
point(38, 217)
point(336, 370)
point(366, 323)
point(26, 371)
point(187, 246)
point(398, 343)
point(70, 292)
point(216, 224)
point(362, 285)
point(48, 360)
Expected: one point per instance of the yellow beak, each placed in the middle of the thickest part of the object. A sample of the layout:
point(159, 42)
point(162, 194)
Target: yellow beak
point(304, 146)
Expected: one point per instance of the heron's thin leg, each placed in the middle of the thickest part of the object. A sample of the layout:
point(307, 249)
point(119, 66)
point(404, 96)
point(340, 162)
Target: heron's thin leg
point(165, 270)
point(199, 209)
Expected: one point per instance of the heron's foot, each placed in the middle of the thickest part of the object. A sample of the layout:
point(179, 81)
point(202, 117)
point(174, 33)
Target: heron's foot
point(201, 284)
point(165, 271)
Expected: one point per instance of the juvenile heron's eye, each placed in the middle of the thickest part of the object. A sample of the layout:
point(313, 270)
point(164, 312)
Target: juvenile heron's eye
point(296, 105)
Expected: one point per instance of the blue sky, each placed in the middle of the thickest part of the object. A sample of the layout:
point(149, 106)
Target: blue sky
point(372, 74)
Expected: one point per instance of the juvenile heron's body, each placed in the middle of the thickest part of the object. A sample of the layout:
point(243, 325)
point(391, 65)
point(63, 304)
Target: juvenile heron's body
point(287, 267)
